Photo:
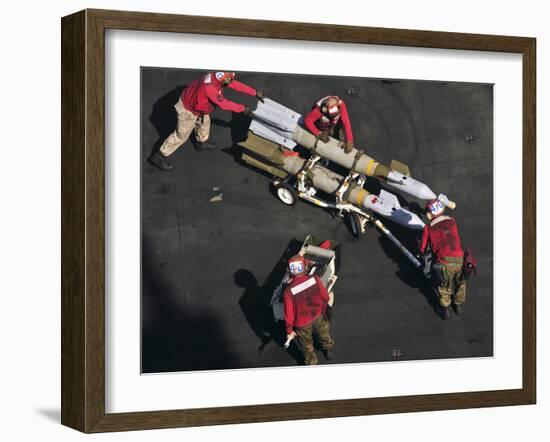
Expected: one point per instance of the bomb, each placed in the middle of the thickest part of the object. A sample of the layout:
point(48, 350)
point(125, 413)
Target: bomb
point(267, 155)
point(280, 125)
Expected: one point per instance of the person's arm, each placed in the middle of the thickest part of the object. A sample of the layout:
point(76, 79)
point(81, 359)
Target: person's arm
point(222, 102)
point(289, 312)
point(241, 87)
point(346, 122)
point(425, 238)
point(322, 289)
point(310, 119)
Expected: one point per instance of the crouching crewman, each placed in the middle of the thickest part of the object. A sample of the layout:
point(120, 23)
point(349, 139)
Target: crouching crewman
point(329, 117)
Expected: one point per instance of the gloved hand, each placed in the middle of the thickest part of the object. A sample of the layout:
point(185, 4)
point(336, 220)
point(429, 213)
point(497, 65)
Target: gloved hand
point(443, 198)
point(348, 147)
point(247, 112)
point(289, 337)
point(329, 313)
point(323, 136)
point(260, 95)
point(446, 201)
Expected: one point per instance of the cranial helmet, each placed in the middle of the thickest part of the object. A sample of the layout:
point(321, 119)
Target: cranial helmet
point(331, 106)
point(297, 265)
point(225, 77)
point(435, 208)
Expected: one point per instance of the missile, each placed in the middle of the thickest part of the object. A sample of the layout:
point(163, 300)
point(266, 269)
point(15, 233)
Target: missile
point(267, 155)
point(281, 125)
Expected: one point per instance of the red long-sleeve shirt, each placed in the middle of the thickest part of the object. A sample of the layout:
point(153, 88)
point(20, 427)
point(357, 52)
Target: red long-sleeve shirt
point(316, 121)
point(305, 299)
point(205, 93)
point(442, 235)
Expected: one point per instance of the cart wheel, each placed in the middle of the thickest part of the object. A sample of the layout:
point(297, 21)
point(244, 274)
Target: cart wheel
point(354, 223)
point(286, 193)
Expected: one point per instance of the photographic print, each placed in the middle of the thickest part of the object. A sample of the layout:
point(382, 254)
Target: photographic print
point(276, 217)
point(295, 220)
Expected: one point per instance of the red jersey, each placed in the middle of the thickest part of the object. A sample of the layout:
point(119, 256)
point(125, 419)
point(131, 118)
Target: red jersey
point(205, 93)
point(305, 299)
point(317, 121)
point(442, 235)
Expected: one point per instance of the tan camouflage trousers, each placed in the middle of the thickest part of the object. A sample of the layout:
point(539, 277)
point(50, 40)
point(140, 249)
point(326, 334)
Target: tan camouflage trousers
point(337, 132)
point(452, 287)
point(187, 123)
point(320, 328)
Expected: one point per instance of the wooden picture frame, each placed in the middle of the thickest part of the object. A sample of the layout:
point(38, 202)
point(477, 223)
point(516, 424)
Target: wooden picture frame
point(83, 220)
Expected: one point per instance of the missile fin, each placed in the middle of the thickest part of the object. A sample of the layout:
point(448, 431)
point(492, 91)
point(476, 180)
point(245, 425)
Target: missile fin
point(275, 114)
point(272, 133)
point(389, 197)
point(400, 167)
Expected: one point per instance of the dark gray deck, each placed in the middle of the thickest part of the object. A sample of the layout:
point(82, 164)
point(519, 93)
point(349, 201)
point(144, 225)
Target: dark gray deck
point(208, 268)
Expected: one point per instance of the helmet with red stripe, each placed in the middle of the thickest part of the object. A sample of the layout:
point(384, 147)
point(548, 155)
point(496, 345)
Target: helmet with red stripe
point(330, 106)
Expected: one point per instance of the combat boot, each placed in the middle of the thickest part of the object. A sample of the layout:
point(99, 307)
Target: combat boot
point(329, 353)
point(205, 145)
point(444, 312)
point(161, 162)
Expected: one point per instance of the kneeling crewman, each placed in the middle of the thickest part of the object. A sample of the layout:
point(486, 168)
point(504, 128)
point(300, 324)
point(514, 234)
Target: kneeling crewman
point(305, 305)
point(441, 235)
point(329, 117)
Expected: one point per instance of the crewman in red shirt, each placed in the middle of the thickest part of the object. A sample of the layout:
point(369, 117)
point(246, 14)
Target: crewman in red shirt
point(305, 302)
point(196, 103)
point(327, 115)
point(441, 234)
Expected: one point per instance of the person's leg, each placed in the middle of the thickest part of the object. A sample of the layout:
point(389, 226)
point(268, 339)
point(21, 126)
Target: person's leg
point(460, 297)
point(444, 294)
point(202, 129)
point(202, 132)
point(440, 283)
point(460, 293)
point(305, 339)
point(186, 123)
point(321, 328)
